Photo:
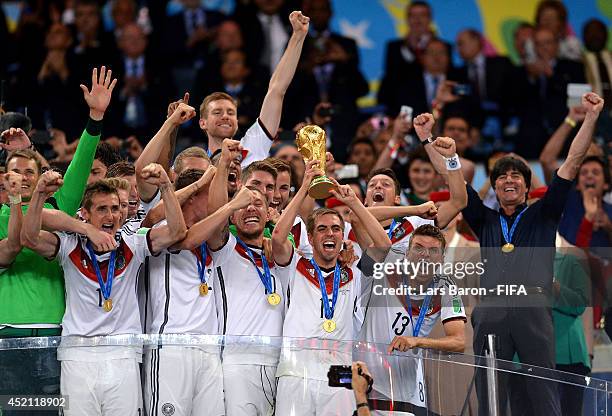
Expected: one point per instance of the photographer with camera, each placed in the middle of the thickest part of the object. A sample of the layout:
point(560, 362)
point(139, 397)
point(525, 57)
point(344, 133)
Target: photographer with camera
point(361, 383)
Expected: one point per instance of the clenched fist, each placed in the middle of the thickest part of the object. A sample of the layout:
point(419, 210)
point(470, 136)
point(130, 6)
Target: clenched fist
point(445, 146)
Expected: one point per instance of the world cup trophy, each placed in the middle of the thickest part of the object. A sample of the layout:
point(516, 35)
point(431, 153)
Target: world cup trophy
point(311, 144)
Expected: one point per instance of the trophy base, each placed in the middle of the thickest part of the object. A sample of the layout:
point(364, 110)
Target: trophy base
point(320, 187)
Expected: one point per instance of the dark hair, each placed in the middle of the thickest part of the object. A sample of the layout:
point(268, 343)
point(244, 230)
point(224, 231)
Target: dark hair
point(604, 167)
point(15, 120)
point(317, 213)
point(552, 4)
point(455, 114)
point(429, 230)
point(107, 154)
point(507, 163)
point(362, 140)
point(421, 4)
point(87, 3)
point(260, 165)
point(120, 169)
point(387, 172)
point(474, 33)
point(187, 177)
point(418, 154)
point(98, 187)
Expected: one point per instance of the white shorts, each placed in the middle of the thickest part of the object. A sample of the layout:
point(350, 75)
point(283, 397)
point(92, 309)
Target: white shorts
point(183, 381)
point(250, 389)
point(297, 396)
point(100, 388)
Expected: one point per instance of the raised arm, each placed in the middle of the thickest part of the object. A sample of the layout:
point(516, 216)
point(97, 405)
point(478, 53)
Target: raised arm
point(593, 104)
point(445, 147)
point(157, 213)
point(423, 125)
point(55, 220)
point(375, 231)
point(401, 127)
point(270, 113)
point(281, 246)
point(167, 152)
point(217, 197)
point(42, 242)
point(154, 149)
point(213, 229)
point(69, 196)
point(11, 245)
point(175, 229)
point(552, 150)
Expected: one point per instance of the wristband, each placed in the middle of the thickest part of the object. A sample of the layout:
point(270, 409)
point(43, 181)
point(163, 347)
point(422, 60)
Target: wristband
point(453, 163)
point(569, 121)
point(365, 404)
point(427, 141)
point(14, 199)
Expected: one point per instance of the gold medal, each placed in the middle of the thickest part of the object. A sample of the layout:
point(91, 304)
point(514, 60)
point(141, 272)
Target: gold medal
point(329, 325)
point(508, 248)
point(108, 305)
point(203, 289)
point(274, 299)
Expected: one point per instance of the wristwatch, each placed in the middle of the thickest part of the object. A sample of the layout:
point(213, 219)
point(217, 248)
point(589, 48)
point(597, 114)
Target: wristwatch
point(427, 141)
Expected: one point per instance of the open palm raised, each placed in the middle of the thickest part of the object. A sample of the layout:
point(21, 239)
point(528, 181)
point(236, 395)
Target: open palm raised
point(101, 90)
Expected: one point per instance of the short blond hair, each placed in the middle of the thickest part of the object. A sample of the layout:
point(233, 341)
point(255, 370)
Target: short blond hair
point(215, 96)
point(193, 151)
point(118, 183)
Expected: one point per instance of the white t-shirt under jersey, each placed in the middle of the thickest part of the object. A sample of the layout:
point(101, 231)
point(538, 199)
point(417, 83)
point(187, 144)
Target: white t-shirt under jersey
point(85, 316)
point(242, 303)
point(305, 317)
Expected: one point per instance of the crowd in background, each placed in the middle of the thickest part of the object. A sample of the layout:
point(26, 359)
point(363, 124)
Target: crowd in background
point(489, 105)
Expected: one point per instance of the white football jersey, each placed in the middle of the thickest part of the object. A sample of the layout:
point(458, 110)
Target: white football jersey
point(85, 316)
point(242, 303)
point(173, 303)
point(256, 143)
point(386, 317)
point(305, 318)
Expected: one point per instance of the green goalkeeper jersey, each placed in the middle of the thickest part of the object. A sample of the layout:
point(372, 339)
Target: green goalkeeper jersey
point(32, 287)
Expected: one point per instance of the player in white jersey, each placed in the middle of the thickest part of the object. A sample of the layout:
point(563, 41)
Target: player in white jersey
point(179, 299)
point(382, 198)
point(249, 296)
point(322, 298)
point(404, 320)
point(101, 293)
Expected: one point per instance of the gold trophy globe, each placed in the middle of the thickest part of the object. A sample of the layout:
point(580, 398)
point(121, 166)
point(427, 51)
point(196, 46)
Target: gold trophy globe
point(311, 143)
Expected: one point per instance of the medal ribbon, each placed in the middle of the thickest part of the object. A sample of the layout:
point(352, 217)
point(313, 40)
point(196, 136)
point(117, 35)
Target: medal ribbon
point(105, 287)
point(392, 227)
point(416, 327)
point(202, 266)
point(504, 226)
point(329, 310)
point(265, 277)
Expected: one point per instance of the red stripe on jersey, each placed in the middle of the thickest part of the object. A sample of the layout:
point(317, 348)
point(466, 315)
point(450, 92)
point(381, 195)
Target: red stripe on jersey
point(81, 261)
point(434, 307)
point(196, 252)
point(305, 268)
point(296, 230)
point(401, 231)
point(241, 251)
point(244, 153)
point(352, 236)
